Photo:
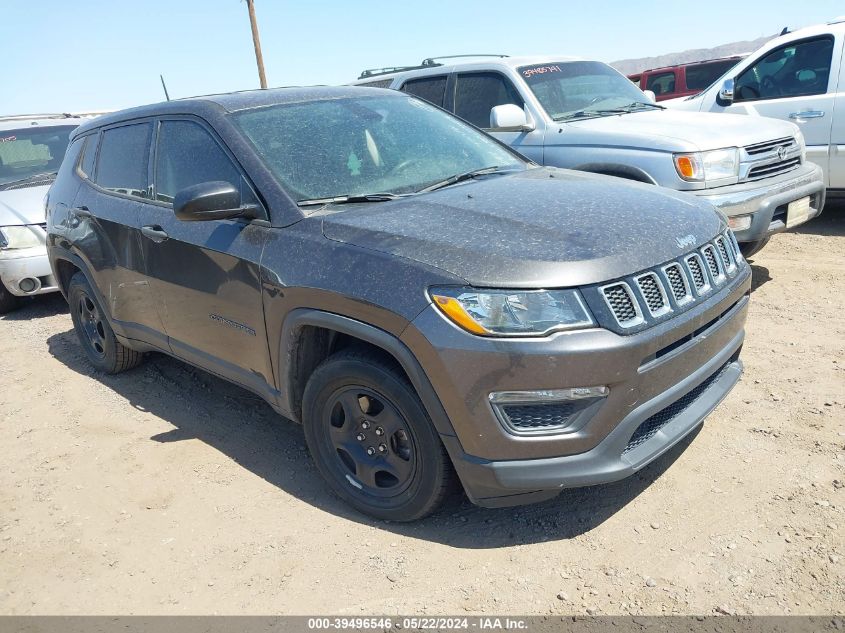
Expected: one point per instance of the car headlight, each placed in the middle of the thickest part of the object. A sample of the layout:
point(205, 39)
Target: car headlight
point(512, 312)
point(19, 237)
point(802, 145)
point(714, 165)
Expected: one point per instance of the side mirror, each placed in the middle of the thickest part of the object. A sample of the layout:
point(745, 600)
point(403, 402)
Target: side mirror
point(509, 118)
point(650, 95)
point(215, 200)
point(726, 93)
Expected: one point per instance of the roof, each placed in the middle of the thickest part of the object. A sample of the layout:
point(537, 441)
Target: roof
point(18, 121)
point(727, 58)
point(231, 102)
point(473, 64)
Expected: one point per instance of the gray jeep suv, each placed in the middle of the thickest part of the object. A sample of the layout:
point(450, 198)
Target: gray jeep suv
point(426, 302)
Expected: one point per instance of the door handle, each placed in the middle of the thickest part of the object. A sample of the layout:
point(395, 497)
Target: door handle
point(155, 233)
point(807, 114)
point(81, 212)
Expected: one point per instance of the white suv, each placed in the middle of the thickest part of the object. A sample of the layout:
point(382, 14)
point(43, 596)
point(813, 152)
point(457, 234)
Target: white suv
point(31, 150)
point(797, 77)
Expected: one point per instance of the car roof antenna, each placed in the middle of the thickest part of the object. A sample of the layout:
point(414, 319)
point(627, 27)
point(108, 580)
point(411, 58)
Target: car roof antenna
point(164, 85)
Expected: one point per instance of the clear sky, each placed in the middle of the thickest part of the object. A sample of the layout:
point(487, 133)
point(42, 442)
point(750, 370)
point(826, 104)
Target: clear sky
point(74, 55)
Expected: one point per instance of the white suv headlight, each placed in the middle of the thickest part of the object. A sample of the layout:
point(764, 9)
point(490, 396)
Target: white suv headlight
point(19, 237)
point(512, 312)
point(717, 164)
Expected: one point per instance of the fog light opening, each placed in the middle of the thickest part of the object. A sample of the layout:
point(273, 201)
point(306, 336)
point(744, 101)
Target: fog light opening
point(547, 411)
point(29, 285)
point(739, 222)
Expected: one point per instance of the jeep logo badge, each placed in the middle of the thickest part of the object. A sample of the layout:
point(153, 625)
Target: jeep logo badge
point(782, 152)
point(685, 241)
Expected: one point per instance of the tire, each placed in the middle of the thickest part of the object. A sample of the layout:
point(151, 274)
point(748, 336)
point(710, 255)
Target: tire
point(8, 301)
point(95, 335)
point(357, 401)
point(752, 248)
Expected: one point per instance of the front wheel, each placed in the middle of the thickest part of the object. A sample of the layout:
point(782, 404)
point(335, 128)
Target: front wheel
point(751, 248)
point(371, 438)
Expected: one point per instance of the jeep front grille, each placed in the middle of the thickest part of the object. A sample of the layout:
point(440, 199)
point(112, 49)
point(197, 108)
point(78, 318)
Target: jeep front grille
point(621, 301)
point(655, 294)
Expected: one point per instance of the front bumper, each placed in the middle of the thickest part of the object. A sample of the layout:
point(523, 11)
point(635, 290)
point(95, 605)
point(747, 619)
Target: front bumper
point(766, 200)
point(30, 263)
point(690, 360)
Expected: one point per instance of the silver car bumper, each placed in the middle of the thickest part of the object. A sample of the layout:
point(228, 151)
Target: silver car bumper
point(766, 201)
point(29, 266)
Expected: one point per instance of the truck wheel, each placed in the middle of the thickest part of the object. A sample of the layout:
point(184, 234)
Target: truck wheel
point(95, 335)
point(750, 248)
point(8, 301)
point(371, 438)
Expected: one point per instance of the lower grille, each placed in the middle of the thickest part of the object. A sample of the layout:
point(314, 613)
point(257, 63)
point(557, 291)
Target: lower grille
point(652, 425)
point(540, 416)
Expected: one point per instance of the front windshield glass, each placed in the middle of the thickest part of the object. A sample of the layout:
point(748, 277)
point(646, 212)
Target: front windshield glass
point(359, 146)
point(32, 151)
point(577, 89)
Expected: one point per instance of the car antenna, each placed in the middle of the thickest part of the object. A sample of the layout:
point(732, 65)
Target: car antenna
point(785, 30)
point(164, 85)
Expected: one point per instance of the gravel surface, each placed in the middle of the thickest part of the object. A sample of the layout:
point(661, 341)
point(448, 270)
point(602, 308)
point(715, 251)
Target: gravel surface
point(166, 491)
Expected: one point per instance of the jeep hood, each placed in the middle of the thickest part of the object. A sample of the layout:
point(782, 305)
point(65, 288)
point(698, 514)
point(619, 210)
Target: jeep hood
point(542, 227)
point(23, 206)
point(675, 130)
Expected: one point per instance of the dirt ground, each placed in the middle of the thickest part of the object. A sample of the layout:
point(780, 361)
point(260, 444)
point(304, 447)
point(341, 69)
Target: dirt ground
point(167, 491)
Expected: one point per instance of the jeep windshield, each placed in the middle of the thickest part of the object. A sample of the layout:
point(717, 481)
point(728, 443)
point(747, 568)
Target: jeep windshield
point(369, 149)
point(575, 90)
point(32, 154)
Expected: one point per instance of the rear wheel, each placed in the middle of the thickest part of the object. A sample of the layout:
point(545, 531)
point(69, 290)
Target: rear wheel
point(95, 335)
point(8, 301)
point(371, 438)
point(751, 248)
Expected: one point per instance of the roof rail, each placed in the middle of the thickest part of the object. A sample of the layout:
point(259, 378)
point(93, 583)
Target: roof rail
point(428, 62)
point(375, 72)
point(52, 115)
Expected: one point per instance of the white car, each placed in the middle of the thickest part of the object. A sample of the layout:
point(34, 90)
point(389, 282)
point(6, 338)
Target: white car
point(797, 77)
point(31, 151)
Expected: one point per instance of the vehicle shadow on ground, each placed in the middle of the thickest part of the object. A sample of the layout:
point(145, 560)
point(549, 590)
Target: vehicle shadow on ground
point(759, 275)
point(247, 430)
point(37, 307)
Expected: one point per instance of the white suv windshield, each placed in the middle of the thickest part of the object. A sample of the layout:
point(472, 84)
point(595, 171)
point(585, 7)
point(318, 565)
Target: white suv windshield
point(569, 90)
point(32, 153)
point(362, 146)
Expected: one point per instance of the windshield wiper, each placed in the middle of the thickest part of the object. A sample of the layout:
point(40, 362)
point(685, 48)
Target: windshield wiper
point(5, 185)
point(639, 104)
point(367, 197)
point(590, 113)
point(467, 175)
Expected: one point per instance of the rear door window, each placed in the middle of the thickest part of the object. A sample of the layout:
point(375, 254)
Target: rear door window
point(432, 89)
point(188, 155)
point(661, 83)
point(123, 159)
point(478, 93)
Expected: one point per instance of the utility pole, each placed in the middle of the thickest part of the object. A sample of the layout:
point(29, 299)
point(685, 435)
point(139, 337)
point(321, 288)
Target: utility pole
point(257, 43)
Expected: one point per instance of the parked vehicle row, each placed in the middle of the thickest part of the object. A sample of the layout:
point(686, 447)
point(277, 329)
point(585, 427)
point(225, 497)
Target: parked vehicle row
point(433, 303)
point(585, 115)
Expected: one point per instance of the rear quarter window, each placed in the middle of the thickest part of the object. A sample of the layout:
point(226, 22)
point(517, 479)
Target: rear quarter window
point(123, 157)
point(432, 89)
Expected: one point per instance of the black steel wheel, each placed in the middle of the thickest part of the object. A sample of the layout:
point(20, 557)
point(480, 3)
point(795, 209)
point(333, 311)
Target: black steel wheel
point(371, 438)
point(95, 334)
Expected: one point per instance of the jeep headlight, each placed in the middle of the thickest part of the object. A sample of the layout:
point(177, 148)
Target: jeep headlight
point(19, 237)
point(703, 166)
point(512, 312)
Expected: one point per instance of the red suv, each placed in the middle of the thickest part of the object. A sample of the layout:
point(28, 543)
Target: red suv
point(684, 79)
